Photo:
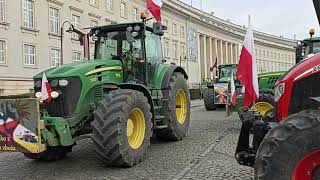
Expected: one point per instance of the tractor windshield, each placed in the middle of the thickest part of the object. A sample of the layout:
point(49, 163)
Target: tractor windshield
point(117, 45)
point(225, 72)
point(314, 50)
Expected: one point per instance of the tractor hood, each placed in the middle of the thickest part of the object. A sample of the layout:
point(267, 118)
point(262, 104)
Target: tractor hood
point(79, 68)
point(224, 80)
point(304, 69)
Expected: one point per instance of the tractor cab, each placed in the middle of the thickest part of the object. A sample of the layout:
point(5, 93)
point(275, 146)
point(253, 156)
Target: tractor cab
point(135, 45)
point(307, 47)
point(224, 72)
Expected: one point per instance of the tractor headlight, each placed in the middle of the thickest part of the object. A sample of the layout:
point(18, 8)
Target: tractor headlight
point(54, 94)
point(38, 95)
point(278, 92)
point(63, 82)
point(37, 84)
point(54, 83)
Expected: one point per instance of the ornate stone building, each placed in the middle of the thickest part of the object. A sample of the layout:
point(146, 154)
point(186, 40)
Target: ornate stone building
point(30, 38)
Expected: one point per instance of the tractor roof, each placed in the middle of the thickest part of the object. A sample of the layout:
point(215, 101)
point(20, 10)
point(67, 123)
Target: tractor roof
point(228, 65)
point(312, 39)
point(117, 27)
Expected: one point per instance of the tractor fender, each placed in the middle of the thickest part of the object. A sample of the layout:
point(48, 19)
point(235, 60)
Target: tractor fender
point(172, 69)
point(144, 90)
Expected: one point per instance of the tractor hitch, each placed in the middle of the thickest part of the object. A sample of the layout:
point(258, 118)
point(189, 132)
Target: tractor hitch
point(253, 129)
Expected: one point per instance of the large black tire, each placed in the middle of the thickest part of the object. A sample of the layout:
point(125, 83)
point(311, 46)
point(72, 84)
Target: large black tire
point(286, 144)
point(175, 130)
point(51, 154)
point(208, 97)
point(110, 127)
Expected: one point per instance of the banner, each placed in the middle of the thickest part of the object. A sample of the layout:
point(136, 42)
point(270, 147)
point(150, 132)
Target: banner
point(221, 93)
point(20, 125)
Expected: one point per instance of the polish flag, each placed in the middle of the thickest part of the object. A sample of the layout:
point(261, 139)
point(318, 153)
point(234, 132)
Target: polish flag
point(154, 6)
point(233, 92)
point(247, 69)
point(45, 90)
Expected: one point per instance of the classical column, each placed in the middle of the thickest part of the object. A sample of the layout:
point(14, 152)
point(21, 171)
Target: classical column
point(231, 53)
point(199, 57)
point(205, 56)
point(227, 53)
point(221, 52)
point(209, 61)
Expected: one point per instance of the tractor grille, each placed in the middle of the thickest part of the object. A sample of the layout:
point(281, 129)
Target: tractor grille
point(66, 104)
point(301, 93)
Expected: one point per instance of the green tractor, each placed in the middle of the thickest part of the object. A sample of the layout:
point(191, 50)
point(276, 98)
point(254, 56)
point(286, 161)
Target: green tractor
point(215, 93)
point(215, 90)
point(119, 99)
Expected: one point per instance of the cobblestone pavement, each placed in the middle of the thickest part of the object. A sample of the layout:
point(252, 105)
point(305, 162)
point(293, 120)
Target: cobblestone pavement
point(207, 153)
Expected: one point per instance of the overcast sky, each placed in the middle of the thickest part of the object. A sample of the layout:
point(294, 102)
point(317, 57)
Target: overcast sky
point(278, 17)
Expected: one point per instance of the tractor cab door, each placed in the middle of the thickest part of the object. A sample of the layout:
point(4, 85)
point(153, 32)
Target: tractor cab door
point(153, 54)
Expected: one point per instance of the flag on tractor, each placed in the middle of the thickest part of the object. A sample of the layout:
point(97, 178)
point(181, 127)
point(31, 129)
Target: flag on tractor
point(214, 65)
point(154, 6)
point(45, 90)
point(247, 69)
point(233, 92)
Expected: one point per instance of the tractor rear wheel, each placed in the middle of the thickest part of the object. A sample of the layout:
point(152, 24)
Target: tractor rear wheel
point(291, 150)
point(208, 97)
point(177, 109)
point(51, 154)
point(264, 104)
point(122, 127)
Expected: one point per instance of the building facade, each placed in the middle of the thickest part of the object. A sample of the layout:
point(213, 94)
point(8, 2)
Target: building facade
point(30, 38)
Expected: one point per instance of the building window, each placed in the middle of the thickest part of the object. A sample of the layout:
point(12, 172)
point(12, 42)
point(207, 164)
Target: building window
point(94, 3)
point(28, 14)
point(2, 52)
point(109, 5)
point(123, 10)
point(174, 28)
point(1, 92)
point(166, 49)
point(183, 51)
point(75, 20)
point(55, 57)
point(76, 56)
point(29, 53)
point(182, 31)
point(54, 20)
point(94, 23)
point(135, 14)
point(2, 11)
point(175, 50)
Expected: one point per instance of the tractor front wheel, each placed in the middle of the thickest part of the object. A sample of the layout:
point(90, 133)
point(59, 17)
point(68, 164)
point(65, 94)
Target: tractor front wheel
point(208, 98)
point(51, 154)
point(291, 150)
point(122, 127)
point(177, 109)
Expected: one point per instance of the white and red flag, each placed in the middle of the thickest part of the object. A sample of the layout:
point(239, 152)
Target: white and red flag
point(154, 6)
point(233, 92)
point(247, 69)
point(45, 90)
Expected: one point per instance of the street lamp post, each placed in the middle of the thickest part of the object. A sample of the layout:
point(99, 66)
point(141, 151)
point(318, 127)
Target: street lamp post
point(61, 39)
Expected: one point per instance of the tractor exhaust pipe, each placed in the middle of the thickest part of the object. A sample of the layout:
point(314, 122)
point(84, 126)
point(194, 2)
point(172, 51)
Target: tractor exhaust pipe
point(84, 41)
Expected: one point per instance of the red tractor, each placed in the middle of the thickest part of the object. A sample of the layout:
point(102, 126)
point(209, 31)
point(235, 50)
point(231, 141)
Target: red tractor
point(286, 143)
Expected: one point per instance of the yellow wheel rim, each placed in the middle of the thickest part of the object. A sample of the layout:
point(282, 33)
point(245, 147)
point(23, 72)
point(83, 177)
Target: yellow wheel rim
point(181, 106)
point(136, 127)
point(262, 107)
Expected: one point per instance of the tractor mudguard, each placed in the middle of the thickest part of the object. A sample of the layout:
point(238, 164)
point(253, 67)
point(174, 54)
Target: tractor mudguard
point(317, 99)
point(172, 69)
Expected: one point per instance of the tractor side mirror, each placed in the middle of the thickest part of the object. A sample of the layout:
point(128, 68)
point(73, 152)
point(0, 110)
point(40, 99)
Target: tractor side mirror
point(158, 29)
